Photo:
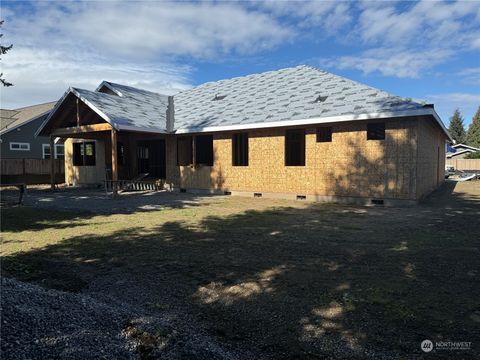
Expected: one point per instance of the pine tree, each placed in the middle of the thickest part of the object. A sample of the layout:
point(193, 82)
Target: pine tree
point(3, 51)
point(473, 135)
point(456, 128)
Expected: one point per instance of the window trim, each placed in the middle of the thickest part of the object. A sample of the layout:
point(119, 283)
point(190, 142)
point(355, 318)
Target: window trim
point(304, 150)
point(234, 147)
point(47, 146)
point(56, 150)
point(19, 144)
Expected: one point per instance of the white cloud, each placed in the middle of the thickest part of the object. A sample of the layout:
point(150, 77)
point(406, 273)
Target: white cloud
point(406, 39)
point(58, 44)
point(151, 29)
point(44, 75)
point(471, 75)
point(390, 62)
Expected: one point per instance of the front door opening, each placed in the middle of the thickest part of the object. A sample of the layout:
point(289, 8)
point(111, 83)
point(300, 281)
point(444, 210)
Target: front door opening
point(151, 158)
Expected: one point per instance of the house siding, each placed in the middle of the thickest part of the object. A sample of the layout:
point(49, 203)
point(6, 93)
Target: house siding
point(349, 166)
point(85, 175)
point(26, 134)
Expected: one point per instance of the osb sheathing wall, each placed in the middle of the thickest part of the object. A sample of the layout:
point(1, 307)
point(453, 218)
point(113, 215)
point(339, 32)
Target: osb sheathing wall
point(348, 166)
point(82, 175)
point(430, 157)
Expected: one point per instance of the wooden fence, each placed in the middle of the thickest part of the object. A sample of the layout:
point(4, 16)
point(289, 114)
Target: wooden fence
point(30, 166)
point(464, 164)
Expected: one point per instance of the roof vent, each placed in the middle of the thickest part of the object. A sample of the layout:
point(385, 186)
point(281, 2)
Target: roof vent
point(430, 106)
point(219, 97)
point(320, 98)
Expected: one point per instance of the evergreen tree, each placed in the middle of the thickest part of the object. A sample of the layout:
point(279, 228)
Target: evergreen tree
point(473, 135)
point(3, 51)
point(456, 128)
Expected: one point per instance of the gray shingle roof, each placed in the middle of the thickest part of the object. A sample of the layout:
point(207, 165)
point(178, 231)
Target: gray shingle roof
point(136, 108)
point(300, 94)
point(295, 93)
point(11, 119)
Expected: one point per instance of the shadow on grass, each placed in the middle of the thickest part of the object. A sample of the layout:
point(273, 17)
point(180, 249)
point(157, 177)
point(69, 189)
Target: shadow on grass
point(318, 282)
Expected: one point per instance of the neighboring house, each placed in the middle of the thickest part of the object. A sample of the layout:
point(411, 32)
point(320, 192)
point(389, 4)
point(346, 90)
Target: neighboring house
point(298, 133)
point(17, 133)
point(459, 151)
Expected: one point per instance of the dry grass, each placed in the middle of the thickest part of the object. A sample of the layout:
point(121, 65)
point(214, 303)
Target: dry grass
point(285, 278)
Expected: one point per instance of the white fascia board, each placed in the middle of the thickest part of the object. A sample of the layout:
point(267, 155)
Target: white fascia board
point(7, 130)
point(466, 146)
point(313, 121)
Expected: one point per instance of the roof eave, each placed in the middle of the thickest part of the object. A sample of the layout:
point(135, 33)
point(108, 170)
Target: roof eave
point(140, 129)
point(320, 120)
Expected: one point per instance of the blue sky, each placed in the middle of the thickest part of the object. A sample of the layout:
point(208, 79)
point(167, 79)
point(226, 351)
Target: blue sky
point(424, 50)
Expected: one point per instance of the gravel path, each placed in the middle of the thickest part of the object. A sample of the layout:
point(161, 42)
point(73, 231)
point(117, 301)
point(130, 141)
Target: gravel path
point(39, 323)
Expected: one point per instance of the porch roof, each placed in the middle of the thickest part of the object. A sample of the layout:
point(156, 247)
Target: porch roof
point(138, 110)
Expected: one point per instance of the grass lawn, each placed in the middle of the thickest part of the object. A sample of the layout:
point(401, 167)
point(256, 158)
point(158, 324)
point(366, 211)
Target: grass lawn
point(287, 279)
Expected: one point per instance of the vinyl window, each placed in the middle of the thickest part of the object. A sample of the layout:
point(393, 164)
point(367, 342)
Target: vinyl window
point(59, 151)
point(19, 146)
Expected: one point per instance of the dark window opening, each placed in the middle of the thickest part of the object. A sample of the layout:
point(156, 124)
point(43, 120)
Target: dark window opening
point(120, 154)
point(84, 153)
point(376, 131)
point(324, 134)
point(240, 149)
point(295, 147)
point(184, 151)
point(204, 150)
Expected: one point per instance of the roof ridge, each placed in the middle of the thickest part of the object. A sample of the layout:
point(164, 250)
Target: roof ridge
point(240, 77)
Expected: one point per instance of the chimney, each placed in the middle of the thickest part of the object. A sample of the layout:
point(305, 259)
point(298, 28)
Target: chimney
point(170, 115)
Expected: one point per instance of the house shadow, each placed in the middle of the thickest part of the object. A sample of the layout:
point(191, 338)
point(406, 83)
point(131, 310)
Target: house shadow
point(323, 281)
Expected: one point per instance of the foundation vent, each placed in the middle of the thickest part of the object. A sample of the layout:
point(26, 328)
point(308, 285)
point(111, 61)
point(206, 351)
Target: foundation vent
point(228, 193)
point(257, 195)
point(377, 201)
point(301, 197)
point(183, 190)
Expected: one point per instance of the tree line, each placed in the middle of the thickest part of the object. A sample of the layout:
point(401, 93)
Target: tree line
point(470, 137)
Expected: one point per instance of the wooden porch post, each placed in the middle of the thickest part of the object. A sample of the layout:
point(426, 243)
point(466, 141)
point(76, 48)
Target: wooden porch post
point(114, 163)
point(52, 162)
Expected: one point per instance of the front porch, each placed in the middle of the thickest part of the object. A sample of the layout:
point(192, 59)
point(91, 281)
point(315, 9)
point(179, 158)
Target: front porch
point(99, 152)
